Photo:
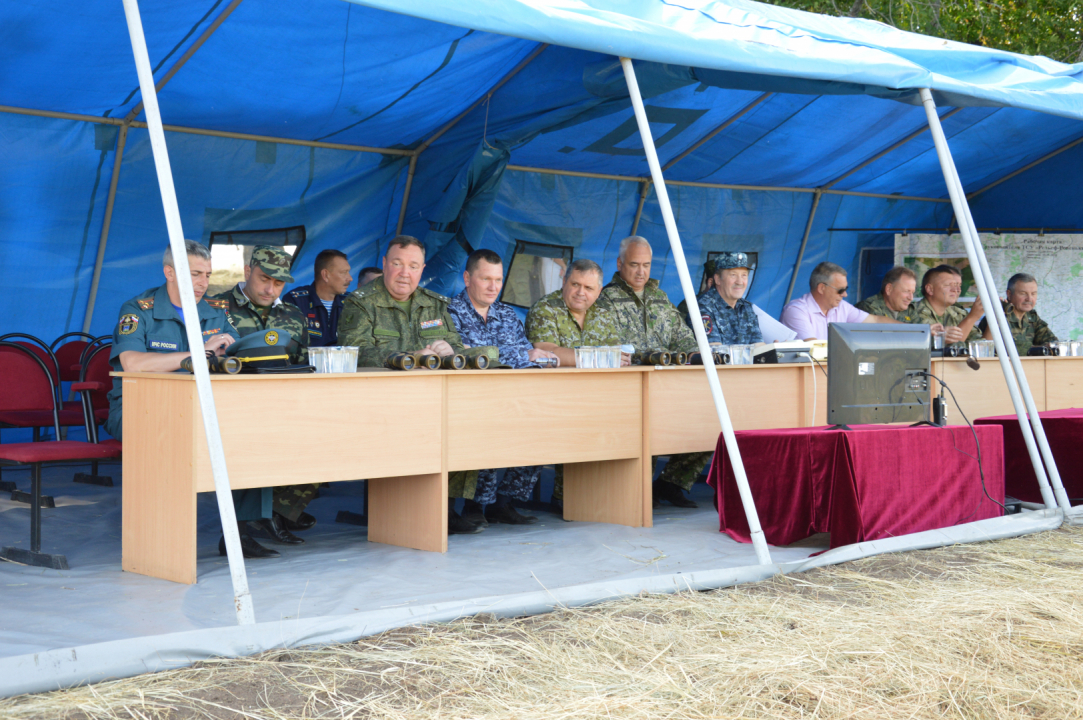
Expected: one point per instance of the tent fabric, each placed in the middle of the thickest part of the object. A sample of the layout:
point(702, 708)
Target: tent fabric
point(807, 102)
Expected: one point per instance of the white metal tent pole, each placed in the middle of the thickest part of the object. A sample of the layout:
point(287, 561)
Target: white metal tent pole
point(242, 598)
point(759, 542)
point(988, 297)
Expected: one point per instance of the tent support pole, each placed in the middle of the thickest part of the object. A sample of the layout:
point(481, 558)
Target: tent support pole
point(644, 190)
point(1009, 357)
point(1023, 169)
point(406, 194)
point(732, 119)
point(186, 56)
point(804, 243)
point(896, 146)
point(759, 542)
point(122, 139)
point(241, 596)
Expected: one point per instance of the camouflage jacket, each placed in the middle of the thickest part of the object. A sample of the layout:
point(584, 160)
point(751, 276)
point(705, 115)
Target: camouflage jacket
point(652, 323)
point(550, 321)
point(378, 326)
point(737, 325)
point(1026, 331)
point(877, 305)
point(501, 329)
point(952, 317)
point(246, 318)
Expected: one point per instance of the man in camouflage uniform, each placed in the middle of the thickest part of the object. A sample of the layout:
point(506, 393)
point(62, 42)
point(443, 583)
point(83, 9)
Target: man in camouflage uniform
point(392, 314)
point(633, 310)
point(942, 286)
point(563, 320)
point(1027, 328)
point(896, 297)
point(727, 317)
point(482, 320)
point(253, 306)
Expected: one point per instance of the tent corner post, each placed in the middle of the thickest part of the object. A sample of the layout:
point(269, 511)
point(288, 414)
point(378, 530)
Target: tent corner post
point(816, 195)
point(1022, 399)
point(103, 239)
point(406, 193)
point(759, 541)
point(241, 596)
point(644, 191)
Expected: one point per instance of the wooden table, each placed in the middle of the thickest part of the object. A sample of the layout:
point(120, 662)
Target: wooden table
point(1055, 382)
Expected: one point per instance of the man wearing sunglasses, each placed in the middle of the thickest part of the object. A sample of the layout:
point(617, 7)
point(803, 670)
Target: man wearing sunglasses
point(809, 315)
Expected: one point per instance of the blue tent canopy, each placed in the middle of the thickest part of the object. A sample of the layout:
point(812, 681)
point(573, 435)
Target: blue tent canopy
point(516, 121)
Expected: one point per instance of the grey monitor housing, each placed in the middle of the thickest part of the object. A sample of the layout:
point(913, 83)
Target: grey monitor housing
point(872, 373)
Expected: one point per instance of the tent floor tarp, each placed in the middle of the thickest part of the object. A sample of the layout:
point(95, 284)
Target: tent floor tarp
point(336, 572)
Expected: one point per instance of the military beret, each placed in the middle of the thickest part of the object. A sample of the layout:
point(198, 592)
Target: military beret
point(266, 348)
point(274, 261)
point(730, 260)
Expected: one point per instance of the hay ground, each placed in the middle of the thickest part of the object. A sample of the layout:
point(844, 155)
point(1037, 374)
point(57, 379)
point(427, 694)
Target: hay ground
point(991, 630)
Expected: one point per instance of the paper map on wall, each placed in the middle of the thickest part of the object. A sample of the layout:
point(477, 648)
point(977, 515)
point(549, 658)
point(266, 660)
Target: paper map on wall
point(1056, 261)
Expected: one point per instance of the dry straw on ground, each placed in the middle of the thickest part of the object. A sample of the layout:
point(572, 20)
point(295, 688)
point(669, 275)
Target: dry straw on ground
point(980, 631)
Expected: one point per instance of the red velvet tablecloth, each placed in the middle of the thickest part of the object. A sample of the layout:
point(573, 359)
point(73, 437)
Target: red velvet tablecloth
point(871, 482)
point(1064, 431)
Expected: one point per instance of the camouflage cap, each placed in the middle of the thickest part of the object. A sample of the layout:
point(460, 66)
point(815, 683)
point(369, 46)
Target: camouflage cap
point(274, 261)
point(730, 260)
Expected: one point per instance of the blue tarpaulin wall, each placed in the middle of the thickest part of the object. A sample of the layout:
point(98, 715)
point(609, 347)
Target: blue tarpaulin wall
point(392, 74)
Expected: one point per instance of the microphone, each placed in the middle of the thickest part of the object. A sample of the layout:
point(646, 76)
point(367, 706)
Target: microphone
point(972, 363)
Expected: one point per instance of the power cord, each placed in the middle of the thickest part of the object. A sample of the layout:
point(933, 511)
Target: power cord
point(815, 393)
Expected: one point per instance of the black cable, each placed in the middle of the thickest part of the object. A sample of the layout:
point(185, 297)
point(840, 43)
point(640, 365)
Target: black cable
point(818, 363)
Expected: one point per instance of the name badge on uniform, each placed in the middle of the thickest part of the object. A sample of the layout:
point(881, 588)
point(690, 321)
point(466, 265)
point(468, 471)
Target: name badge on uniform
point(161, 345)
point(430, 324)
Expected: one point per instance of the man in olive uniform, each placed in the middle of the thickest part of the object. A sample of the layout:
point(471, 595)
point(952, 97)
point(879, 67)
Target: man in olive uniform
point(896, 297)
point(150, 337)
point(633, 310)
point(392, 314)
point(942, 286)
point(253, 306)
point(1027, 328)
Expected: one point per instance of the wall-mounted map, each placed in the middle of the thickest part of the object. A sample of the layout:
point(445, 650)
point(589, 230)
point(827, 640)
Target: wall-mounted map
point(1056, 261)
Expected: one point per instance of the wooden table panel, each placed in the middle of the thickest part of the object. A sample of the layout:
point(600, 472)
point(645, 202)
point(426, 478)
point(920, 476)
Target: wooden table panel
point(983, 392)
point(1063, 383)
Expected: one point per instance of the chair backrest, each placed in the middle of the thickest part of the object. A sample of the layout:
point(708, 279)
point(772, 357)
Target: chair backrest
point(39, 348)
point(25, 383)
point(68, 357)
point(85, 337)
point(94, 345)
point(96, 368)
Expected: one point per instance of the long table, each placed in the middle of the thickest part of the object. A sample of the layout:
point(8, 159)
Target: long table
point(405, 431)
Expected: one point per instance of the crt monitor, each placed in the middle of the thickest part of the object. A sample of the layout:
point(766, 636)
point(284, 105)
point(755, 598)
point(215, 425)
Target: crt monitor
point(871, 373)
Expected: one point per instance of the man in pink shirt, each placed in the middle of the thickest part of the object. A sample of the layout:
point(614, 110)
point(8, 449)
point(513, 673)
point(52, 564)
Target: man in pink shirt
point(809, 314)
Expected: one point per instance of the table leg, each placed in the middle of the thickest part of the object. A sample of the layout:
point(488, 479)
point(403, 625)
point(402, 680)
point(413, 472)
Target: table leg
point(610, 491)
point(409, 511)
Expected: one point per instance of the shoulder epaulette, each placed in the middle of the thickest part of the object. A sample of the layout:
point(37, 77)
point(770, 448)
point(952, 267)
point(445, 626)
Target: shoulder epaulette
point(299, 292)
point(436, 295)
point(145, 303)
point(218, 304)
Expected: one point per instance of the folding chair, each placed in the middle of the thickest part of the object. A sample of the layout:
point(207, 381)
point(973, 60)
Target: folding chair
point(93, 388)
point(69, 414)
point(20, 407)
point(68, 350)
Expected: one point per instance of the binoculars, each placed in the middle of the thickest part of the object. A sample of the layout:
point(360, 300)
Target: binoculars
point(954, 351)
point(652, 357)
point(215, 364)
point(679, 358)
point(409, 361)
point(719, 358)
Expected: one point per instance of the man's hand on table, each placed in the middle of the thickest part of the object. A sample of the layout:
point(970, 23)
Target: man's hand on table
point(217, 344)
point(438, 347)
point(536, 353)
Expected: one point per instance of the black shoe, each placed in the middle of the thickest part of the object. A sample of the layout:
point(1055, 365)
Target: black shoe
point(457, 525)
point(303, 522)
point(475, 513)
point(510, 516)
point(273, 528)
point(672, 494)
point(249, 548)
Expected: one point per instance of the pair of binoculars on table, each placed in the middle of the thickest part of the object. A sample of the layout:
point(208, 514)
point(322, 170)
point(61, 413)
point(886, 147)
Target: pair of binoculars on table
point(410, 361)
point(658, 357)
point(215, 364)
point(720, 358)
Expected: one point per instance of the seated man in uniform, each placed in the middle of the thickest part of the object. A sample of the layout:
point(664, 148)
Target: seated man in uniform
point(321, 302)
point(941, 287)
point(254, 306)
point(483, 320)
point(1027, 328)
point(727, 317)
point(896, 297)
point(809, 315)
point(392, 314)
point(366, 275)
point(633, 310)
point(150, 337)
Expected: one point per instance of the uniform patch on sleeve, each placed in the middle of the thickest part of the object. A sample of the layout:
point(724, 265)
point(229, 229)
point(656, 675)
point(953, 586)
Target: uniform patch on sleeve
point(706, 323)
point(146, 303)
point(128, 324)
point(430, 324)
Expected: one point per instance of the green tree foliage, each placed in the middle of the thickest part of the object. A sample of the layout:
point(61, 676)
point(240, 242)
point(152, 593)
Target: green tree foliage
point(1053, 28)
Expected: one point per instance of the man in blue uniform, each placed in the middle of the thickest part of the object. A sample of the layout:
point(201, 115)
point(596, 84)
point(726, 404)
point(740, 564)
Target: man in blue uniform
point(150, 337)
point(321, 302)
point(727, 317)
point(483, 320)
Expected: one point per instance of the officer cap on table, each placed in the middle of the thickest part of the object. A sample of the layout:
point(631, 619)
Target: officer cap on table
point(274, 261)
point(729, 261)
point(266, 348)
